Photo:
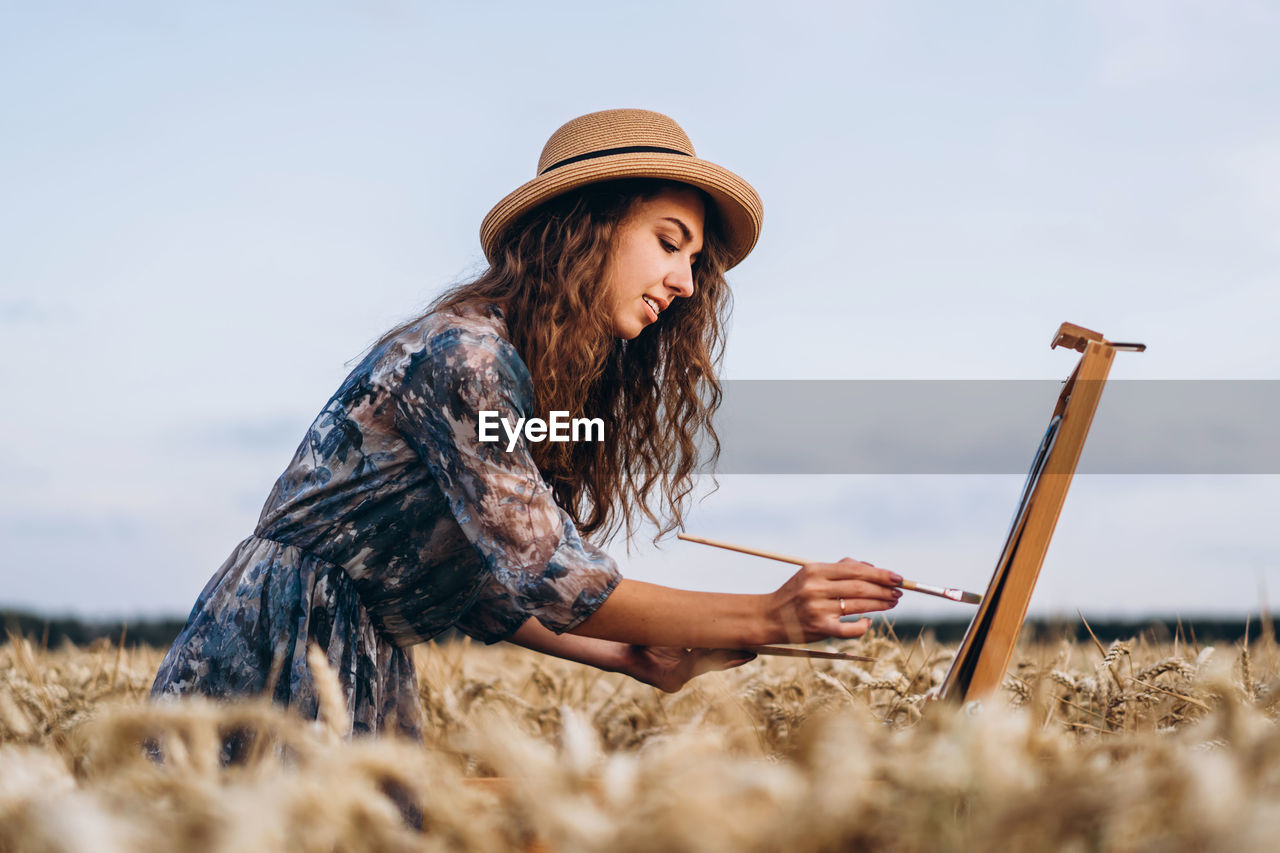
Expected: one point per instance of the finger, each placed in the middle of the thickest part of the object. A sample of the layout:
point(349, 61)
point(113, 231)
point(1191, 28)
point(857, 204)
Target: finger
point(850, 630)
point(843, 606)
point(864, 605)
point(851, 569)
point(848, 589)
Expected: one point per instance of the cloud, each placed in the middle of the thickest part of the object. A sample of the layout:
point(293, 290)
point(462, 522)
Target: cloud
point(1154, 42)
point(1253, 170)
point(19, 472)
point(24, 312)
point(64, 526)
point(276, 434)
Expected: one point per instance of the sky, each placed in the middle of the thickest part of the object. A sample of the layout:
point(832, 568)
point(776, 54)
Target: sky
point(209, 210)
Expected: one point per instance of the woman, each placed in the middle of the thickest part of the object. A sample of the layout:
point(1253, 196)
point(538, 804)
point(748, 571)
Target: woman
point(605, 298)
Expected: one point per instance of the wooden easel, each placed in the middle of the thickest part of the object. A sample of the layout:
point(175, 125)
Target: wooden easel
point(980, 663)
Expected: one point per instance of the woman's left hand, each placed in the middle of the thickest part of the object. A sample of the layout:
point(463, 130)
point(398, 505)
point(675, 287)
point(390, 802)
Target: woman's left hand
point(668, 668)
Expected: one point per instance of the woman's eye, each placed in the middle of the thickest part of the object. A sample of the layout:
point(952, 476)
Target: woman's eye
point(671, 248)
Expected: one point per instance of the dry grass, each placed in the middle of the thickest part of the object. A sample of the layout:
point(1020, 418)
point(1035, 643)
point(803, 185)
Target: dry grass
point(1131, 747)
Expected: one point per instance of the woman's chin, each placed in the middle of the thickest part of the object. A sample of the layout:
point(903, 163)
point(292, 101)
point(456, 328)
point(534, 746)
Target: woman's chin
point(627, 333)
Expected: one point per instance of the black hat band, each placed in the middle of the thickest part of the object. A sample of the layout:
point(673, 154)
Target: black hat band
point(607, 152)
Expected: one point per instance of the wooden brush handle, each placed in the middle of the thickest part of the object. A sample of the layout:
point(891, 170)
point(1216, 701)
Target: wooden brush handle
point(729, 546)
point(927, 589)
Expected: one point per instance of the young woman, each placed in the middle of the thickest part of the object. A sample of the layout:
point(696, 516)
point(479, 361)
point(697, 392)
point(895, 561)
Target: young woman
point(605, 298)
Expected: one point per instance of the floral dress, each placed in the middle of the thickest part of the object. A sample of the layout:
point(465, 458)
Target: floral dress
point(392, 523)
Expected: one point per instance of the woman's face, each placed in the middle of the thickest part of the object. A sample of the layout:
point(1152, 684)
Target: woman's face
point(652, 261)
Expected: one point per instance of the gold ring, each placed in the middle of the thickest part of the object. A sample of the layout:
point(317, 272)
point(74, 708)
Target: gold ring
point(841, 606)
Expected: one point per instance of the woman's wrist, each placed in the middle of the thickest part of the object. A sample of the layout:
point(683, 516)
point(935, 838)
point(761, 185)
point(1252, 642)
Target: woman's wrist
point(615, 657)
point(629, 660)
point(767, 622)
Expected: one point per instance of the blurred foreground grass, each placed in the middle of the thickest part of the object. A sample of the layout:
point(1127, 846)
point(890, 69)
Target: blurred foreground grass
point(1136, 746)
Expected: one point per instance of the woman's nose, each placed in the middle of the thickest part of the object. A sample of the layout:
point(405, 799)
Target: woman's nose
point(680, 280)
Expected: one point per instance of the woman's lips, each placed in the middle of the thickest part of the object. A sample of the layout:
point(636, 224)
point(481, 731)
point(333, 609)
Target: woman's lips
point(650, 310)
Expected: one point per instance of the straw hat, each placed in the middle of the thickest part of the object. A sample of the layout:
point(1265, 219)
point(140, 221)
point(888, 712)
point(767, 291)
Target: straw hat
point(614, 144)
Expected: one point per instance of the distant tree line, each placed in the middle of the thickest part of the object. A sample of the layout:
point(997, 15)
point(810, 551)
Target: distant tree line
point(52, 632)
point(1197, 630)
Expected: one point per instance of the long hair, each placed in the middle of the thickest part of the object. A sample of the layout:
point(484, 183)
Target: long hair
point(656, 393)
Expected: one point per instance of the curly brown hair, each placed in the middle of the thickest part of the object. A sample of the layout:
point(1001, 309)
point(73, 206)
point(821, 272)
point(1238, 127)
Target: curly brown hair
point(656, 393)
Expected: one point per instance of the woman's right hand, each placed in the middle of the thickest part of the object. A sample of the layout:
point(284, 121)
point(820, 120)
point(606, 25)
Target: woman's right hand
point(808, 607)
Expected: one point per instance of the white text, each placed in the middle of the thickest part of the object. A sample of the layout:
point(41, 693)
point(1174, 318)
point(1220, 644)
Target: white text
point(559, 428)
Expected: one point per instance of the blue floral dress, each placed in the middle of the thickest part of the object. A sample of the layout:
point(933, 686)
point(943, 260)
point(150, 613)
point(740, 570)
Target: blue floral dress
point(392, 523)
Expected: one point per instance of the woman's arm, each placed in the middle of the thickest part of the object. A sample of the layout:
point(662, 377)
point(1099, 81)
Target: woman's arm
point(664, 636)
point(602, 654)
point(667, 668)
point(807, 607)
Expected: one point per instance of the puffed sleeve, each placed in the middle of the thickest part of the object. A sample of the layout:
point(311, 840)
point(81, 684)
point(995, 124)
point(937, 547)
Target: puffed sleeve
point(493, 616)
point(540, 565)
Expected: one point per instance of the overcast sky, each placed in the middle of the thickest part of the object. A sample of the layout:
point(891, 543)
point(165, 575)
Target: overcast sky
point(208, 210)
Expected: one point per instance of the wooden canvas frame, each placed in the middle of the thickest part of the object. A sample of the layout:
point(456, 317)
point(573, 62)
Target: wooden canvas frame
point(983, 657)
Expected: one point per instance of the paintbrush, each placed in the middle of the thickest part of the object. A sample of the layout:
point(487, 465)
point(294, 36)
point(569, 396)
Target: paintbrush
point(928, 589)
point(789, 652)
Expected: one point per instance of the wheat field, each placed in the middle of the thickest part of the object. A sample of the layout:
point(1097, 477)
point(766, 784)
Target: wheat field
point(1136, 746)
